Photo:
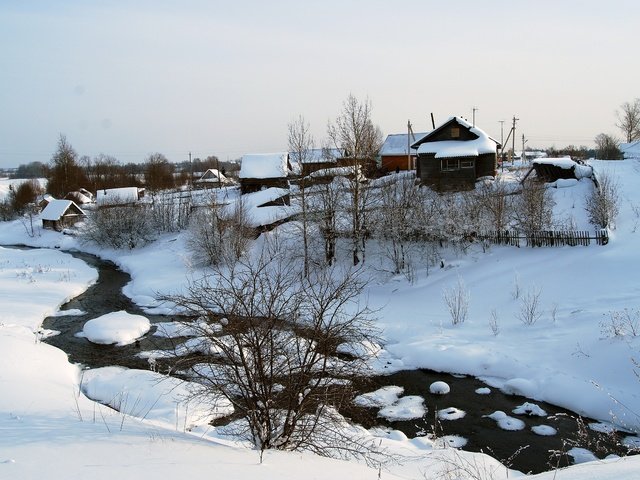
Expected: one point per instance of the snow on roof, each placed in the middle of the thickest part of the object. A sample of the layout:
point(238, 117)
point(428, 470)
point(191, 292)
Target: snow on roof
point(460, 148)
point(80, 197)
point(318, 155)
point(566, 163)
point(55, 209)
point(396, 143)
point(213, 175)
point(264, 165)
point(630, 150)
point(117, 196)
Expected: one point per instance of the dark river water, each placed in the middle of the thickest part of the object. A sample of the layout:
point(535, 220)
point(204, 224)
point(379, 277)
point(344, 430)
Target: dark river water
point(482, 433)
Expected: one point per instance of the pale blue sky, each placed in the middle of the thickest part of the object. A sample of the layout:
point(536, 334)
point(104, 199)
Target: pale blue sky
point(128, 78)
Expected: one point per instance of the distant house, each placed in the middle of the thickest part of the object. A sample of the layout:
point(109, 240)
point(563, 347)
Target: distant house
point(43, 200)
point(260, 171)
point(455, 155)
point(630, 150)
point(80, 197)
point(212, 178)
point(396, 152)
point(316, 159)
point(60, 214)
point(110, 197)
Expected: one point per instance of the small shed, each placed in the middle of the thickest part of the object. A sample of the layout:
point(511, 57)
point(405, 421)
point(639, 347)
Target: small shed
point(563, 168)
point(455, 155)
point(316, 159)
point(396, 152)
point(60, 214)
point(264, 170)
point(111, 197)
point(212, 178)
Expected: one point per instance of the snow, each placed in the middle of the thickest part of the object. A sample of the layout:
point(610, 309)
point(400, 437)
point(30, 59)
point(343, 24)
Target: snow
point(439, 388)
point(483, 391)
point(405, 408)
point(259, 215)
point(566, 163)
point(382, 397)
point(460, 148)
point(116, 196)
point(506, 422)
point(264, 165)
point(530, 409)
point(317, 155)
point(212, 175)
point(121, 328)
point(396, 143)
point(451, 413)
point(565, 358)
point(55, 209)
point(544, 430)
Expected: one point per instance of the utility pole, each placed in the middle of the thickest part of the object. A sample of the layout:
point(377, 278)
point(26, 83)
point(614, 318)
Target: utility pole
point(501, 143)
point(410, 135)
point(473, 114)
point(523, 142)
point(513, 139)
point(190, 172)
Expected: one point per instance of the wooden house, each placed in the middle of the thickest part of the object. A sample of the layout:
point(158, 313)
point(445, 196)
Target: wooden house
point(260, 171)
point(397, 153)
point(455, 155)
point(60, 214)
point(212, 178)
point(316, 159)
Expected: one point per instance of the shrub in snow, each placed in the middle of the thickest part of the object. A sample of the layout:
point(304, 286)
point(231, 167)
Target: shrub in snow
point(456, 299)
point(621, 323)
point(603, 205)
point(439, 388)
point(120, 227)
point(530, 307)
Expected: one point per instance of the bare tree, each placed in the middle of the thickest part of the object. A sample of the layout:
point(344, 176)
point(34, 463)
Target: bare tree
point(353, 132)
point(158, 172)
point(329, 204)
point(533, 210)
point(65, 174)
point(629, 120)
point(300, 146)
point(127, 226)
point(607, 147)
point(273, 353)
point(603, 204)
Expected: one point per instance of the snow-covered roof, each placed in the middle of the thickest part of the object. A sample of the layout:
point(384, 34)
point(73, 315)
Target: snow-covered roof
point(213, 175)
point(116, 196)
point(460, 148)
point(264, 165)
point(630, 150)
point(80, 197)
point(55, 209)
point(396, 143)
point(317, 155)
point(566, 163)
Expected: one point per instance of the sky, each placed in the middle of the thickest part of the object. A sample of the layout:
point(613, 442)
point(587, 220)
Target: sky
point(129, 78)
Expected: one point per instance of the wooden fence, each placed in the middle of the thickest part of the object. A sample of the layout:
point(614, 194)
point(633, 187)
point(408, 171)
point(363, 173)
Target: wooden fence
point(545, 238)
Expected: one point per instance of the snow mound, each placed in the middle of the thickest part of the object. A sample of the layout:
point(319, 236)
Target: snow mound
point(544, 430)
point(483, 391)
point(582, 455)
point(451, 413)
point(152, 396)
point(453, 441)
point(406, 408)
point(506, 422)
point(121, 328)
point(602, 427)
point(382, 397)
point(530, 409)
point(439, 388)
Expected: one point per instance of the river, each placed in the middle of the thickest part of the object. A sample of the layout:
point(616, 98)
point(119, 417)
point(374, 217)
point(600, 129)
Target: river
point(482, 433)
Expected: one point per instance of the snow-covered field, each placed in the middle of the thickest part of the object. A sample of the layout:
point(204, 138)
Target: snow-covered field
point(569, 356)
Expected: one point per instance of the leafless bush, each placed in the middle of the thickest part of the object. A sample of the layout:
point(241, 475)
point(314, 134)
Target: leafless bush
point(621, 323)
point(493, 322)
point(275, 354)
point(530, 307)
point(457, 300)
point(170, 210)
point(127, 226)
point(533, 210)
point(603, 205)
point(220, 234)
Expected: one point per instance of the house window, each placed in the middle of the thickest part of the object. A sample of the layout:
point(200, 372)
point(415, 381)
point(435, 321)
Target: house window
point(455, 132)
point(466, 164)
point(449, 165)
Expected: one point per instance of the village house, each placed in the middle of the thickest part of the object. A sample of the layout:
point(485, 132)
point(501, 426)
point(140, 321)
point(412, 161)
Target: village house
point(212, 178)
point(455, 155)
point(263, 170)
point(316, 159)
point(396, 152)
point(60, 214)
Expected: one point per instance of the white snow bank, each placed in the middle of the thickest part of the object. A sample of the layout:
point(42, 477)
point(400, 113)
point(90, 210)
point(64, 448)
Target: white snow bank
point(152, 396)
point(121, 328)
point(406, 408)
point(380, 398)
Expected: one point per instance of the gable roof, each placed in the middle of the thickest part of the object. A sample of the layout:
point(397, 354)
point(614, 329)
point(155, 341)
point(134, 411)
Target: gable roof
point(396, 143)
point(56, 209)
point(317, 155)
point(212, 175)
point(265, 165)
point(482, 144)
